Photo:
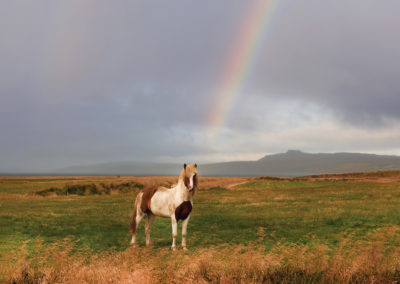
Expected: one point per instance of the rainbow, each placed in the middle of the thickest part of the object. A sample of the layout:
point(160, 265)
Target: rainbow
point(241, 60)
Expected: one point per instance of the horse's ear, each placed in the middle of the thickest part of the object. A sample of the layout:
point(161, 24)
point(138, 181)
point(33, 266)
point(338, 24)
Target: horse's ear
point(195, 165)
point(184, 166)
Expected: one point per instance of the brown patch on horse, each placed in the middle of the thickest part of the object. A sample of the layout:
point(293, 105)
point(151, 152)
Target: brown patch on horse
point(183, 210)
point(148, 193)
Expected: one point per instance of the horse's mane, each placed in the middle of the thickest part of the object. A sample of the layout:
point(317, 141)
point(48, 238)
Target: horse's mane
point(186, 173)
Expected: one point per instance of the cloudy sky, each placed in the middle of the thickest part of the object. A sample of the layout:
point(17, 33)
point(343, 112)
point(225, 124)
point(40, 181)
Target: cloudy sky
point(85, 82)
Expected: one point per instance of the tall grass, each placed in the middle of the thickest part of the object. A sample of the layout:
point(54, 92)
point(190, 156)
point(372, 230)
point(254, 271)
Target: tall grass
point(350, 262)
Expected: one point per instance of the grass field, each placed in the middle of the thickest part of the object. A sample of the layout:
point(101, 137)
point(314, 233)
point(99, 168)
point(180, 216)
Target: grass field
point(338, 228)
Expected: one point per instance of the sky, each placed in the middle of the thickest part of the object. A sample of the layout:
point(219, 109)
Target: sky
point(86, 82)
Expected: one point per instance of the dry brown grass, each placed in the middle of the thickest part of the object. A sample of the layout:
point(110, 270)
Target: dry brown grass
point(379, 176)
point(351, 262)
point(205, 181)
point(31, 187)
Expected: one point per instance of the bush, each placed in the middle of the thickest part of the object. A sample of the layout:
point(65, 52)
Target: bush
point(51, 190)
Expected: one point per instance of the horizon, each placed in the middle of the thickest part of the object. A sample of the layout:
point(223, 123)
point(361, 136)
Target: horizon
point(100, 82)
point(74, 169)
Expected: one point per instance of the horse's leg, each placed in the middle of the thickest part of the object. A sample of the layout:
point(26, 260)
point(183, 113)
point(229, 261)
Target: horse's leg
point(174, 231)
point(184, 230)
point(139, 218)
point(150, 220)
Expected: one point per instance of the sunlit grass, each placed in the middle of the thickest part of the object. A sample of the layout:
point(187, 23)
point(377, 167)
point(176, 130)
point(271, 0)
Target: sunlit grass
point(288, 211)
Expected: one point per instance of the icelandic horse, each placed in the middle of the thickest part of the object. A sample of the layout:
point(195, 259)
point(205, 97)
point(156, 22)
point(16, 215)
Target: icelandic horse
point(175, 203)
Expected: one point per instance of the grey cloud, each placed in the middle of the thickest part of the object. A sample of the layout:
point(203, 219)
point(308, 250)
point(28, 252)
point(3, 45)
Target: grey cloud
point(96, 81)
point(343, 56)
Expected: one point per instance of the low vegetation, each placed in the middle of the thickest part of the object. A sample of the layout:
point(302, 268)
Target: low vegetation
point(90, 189)
point(310, 230)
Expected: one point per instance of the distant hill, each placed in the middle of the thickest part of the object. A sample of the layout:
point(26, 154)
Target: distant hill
point(298, 163)
point(291, 163)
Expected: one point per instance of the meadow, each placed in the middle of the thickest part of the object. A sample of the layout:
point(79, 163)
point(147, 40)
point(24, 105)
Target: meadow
point(328, 228)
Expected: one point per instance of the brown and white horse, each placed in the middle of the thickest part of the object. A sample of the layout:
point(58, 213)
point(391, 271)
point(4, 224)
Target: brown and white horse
point(175, 203)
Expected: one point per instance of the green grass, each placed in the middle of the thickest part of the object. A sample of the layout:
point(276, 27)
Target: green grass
point(23, 187)
point(260, 212)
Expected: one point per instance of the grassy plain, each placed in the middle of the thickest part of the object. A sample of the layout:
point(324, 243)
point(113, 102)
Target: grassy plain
point(333, 228)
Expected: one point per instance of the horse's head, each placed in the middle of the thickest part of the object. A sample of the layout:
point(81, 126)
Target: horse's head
point(189, 175)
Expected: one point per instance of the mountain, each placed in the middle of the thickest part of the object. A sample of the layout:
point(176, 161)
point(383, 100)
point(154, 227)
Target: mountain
point(291, 163)
point(298, 163)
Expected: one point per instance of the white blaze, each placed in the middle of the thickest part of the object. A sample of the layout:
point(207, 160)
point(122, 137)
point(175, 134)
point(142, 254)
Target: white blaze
point(191, 182)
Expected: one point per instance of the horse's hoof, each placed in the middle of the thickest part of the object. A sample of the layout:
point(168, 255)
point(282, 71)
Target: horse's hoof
point(173, 248)
point(184, 248)
point(133, 245)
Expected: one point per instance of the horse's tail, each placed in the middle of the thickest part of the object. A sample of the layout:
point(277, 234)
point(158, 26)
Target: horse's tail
point(132, 224)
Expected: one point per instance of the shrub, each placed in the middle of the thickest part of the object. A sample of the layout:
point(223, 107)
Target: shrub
point(51, 190)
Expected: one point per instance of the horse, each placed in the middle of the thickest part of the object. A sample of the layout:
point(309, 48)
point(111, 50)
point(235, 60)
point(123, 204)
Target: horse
point(175, 203)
